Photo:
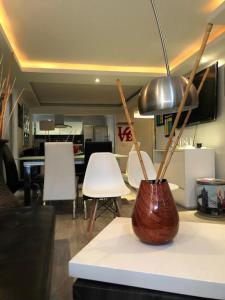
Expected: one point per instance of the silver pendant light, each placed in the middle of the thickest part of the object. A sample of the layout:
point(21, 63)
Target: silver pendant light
point(163, 95)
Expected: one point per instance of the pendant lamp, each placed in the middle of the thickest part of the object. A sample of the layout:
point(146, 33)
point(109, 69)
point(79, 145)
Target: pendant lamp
point(163, 95)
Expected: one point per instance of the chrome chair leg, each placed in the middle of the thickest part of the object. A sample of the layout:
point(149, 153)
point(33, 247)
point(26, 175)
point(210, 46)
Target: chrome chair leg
point(85, 209)
point(74, 208)
point(118, 212)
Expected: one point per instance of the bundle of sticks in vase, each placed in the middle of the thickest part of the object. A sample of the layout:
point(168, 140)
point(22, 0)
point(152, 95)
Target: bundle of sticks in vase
point(172, 140)
point(7, 84)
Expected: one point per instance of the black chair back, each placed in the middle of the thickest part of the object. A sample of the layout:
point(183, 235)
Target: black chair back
point(92, 147)
point(42, 149)
point(12, 177)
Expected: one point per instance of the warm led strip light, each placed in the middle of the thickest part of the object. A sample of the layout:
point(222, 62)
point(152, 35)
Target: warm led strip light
point(187, 53)
point(213, 5)
point(32, 65)
point(40, 66)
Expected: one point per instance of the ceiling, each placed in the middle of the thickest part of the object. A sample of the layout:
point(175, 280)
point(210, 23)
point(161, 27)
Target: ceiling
point(62, 46)
point(79, 94)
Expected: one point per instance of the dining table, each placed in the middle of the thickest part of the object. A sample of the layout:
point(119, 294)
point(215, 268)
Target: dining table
point(37, 161)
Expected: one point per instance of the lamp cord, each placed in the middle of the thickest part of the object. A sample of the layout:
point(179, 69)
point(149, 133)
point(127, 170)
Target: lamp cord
point(161, 38)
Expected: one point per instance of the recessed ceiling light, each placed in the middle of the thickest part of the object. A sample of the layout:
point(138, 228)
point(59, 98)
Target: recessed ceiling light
point(97, 80)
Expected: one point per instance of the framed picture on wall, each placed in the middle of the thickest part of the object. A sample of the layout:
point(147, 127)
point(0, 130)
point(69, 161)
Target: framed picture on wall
point(168, 124)
point(159, 120)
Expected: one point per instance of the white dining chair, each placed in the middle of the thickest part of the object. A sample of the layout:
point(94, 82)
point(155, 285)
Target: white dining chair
point(133, 146)
point(59, 177)
point(103, 181)
point(124, 174)
point(134, 171)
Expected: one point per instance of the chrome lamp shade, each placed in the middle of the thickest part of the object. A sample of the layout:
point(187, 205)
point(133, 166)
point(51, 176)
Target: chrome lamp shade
point(163, 95)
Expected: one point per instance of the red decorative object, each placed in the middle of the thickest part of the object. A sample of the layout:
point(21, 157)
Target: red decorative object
point(155, 219)
point(124, 133)
point(75, 149)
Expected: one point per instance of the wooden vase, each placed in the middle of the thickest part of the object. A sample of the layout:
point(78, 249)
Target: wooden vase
point(155, 219)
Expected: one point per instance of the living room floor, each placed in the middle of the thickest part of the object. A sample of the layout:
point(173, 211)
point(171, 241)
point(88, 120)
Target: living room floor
point(71, 236)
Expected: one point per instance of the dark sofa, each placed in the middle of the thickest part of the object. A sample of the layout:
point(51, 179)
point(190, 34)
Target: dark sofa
point(26, 239)
point(26, 252)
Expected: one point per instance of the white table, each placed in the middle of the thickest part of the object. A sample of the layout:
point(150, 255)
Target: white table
point(194, 264)
point(40, 159)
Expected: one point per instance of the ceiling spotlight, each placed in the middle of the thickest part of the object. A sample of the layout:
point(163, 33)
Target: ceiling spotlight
point(97, 80)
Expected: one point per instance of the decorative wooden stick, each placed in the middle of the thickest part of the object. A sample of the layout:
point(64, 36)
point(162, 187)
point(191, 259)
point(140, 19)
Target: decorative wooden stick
point(4, 105)
point(182, 128)
point(2, 86)
point(6, 88)
point(180, 109)
point(7, 95)
point(1, 65)
point(123, 100)
point(1, 59)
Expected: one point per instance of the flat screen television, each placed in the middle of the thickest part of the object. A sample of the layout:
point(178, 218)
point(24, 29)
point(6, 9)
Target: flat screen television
point(207, 109)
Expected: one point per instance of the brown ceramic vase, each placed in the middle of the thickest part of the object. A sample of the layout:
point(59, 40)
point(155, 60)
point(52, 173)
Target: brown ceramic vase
point(155, 219)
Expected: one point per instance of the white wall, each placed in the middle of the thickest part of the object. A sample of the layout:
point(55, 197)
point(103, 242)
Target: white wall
point(110, 121)
point(13, 133)
point(144, 129)
point(210, 134)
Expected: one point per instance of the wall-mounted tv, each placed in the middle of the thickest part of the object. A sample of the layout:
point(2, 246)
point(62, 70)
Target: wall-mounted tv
point(207, 109)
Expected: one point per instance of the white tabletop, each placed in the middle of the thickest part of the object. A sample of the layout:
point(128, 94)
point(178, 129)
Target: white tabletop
point(32, 161)
point(194, 264)
point(42, 157)
point(76, 156)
